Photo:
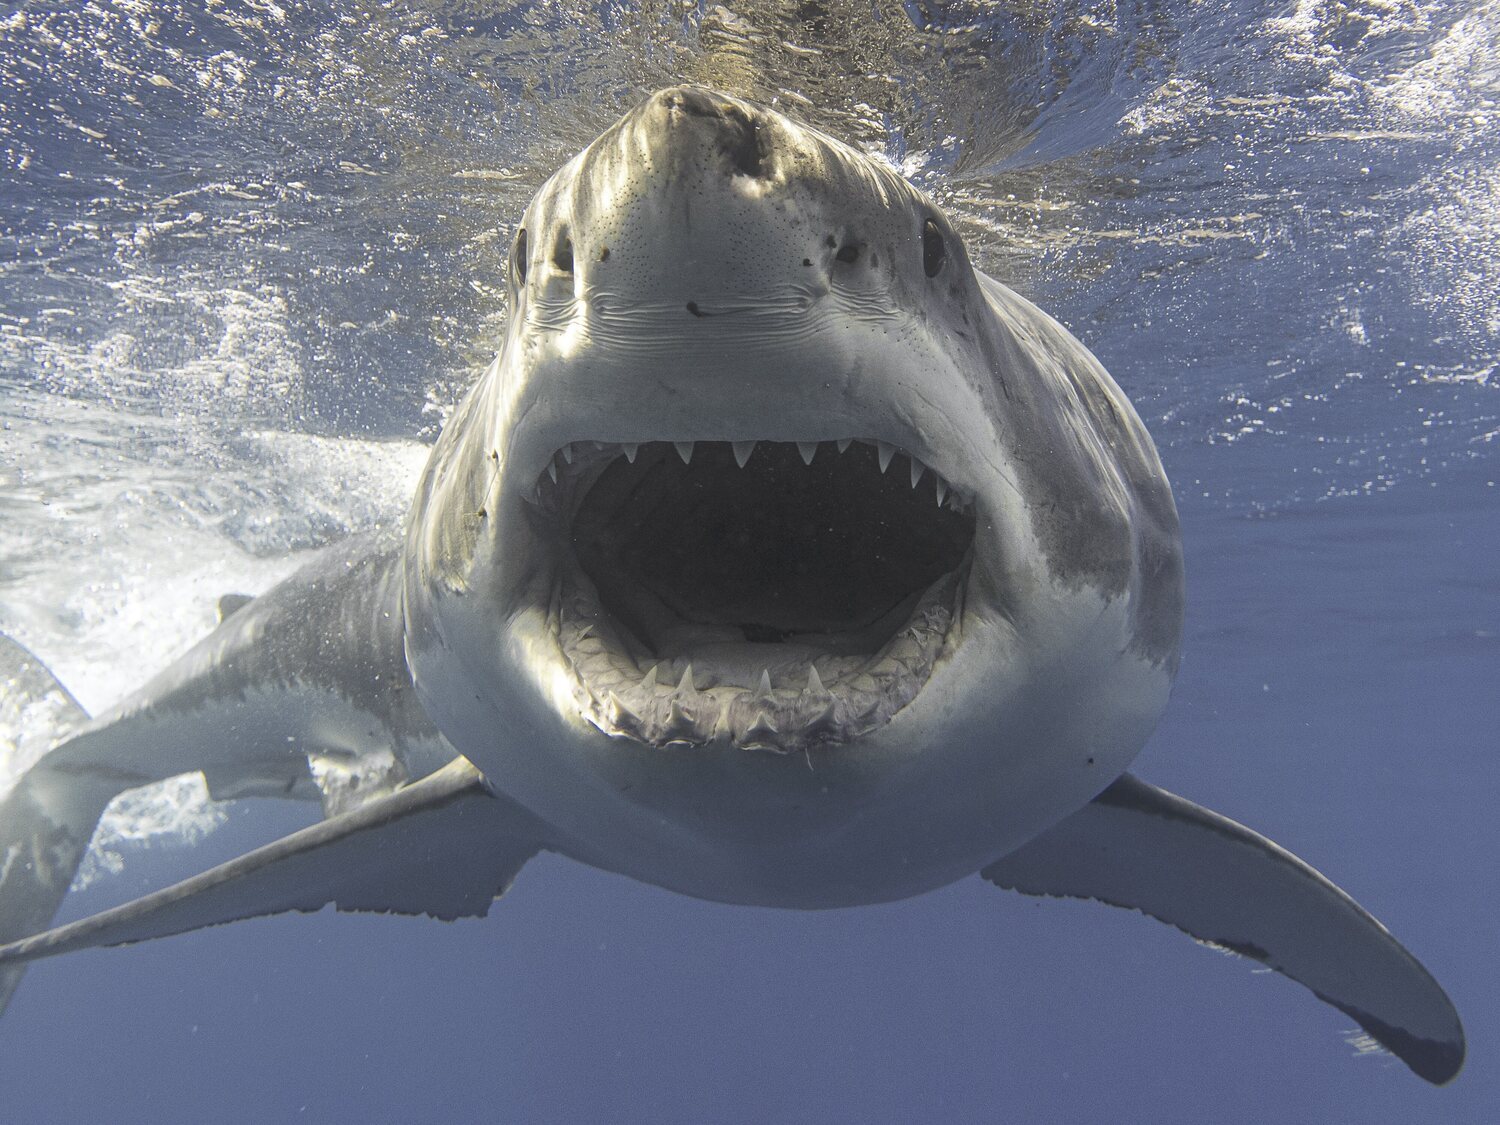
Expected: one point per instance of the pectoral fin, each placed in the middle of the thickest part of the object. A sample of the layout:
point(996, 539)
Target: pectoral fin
point(442, 846)
point(45, 820)
point(1141, 847)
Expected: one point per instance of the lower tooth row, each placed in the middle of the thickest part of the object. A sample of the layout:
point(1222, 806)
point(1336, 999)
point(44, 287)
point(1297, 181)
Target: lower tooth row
point(621, 700)
point(765, 716)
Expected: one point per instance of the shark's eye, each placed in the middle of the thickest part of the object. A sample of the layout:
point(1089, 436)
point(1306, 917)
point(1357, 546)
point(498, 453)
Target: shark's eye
point(518, 257)
point(934, 248)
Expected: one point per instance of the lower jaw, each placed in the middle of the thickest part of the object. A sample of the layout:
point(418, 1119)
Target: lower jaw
point(785, 696)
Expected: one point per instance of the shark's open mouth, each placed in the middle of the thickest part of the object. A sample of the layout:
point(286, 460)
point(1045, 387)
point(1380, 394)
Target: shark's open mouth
point(774, 594)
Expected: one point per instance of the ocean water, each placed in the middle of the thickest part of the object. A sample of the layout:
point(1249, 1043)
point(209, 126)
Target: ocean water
point(251, 254)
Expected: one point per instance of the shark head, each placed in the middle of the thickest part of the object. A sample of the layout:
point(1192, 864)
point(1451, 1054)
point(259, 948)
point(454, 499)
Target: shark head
point(778, 543)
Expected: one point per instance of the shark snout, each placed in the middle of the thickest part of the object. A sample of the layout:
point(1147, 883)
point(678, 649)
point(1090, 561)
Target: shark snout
point(704, 126)
point(698, 202)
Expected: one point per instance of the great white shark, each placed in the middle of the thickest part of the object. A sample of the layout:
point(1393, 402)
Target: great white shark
point(780, 557)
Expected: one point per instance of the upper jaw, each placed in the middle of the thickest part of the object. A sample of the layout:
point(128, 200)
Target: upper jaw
point(577, 462)
point(669, 634)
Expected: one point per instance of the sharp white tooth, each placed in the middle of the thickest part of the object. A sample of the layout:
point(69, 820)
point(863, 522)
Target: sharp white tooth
point(567, 452)
point(685, 451)
point(823, 720)
point(814, 682)
point(552, 470)
point(916, 471)
point(844, 443)
point(686, 683)
point(631, 449)
point(648, 681)
point(680, 723)
point(742, 451)
point(765, 683)
point(808, 449)
point(942, 490)
point(598, 445)
point(885, 452)
point(621, 715)
point(763, 727)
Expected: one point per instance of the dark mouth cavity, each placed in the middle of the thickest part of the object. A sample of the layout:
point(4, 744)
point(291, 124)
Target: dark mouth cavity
point(794, 592)
point(774, 550)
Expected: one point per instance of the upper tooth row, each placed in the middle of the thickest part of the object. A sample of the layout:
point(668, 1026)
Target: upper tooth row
point(744, 450)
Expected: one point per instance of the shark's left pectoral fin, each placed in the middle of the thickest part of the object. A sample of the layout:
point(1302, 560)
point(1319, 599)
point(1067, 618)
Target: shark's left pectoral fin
point(1141, 847)
point(442, 846)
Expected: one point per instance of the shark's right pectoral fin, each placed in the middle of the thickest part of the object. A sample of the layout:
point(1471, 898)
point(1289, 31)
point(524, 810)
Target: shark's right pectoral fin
point(1141, 847)
point(443, 846)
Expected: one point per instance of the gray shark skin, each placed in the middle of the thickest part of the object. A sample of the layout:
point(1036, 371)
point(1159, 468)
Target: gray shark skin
point(779, 558)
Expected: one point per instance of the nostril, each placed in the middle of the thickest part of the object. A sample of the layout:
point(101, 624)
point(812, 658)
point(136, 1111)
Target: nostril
point(848, 254)
point(562, 254)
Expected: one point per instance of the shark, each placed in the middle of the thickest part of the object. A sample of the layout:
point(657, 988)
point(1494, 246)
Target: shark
point(780, 558)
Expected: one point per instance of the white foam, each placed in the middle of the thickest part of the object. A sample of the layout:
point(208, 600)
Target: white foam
point(122, 530)
point(175, 812)
point(1453, 246)
point(1452, 87)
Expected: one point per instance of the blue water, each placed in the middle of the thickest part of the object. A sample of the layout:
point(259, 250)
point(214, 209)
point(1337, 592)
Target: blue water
point(250, 255)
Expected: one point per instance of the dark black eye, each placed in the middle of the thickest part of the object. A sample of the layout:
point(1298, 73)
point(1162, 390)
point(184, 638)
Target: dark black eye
point(934, 248)
point(518, 256)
